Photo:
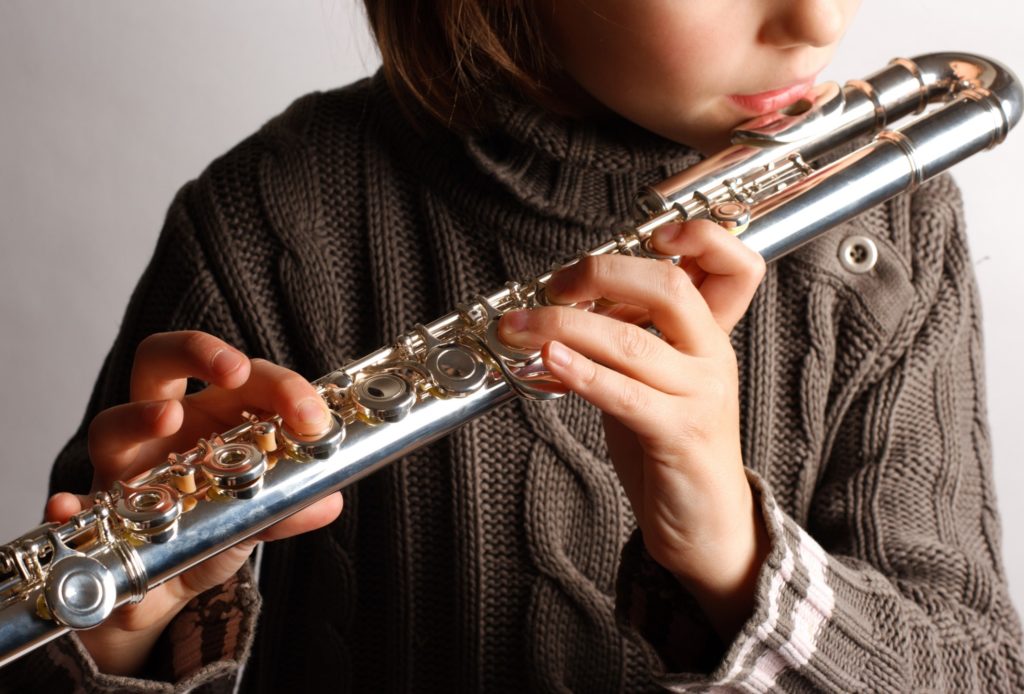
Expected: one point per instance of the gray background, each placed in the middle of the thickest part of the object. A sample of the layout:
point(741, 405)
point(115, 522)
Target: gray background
point(109, 106)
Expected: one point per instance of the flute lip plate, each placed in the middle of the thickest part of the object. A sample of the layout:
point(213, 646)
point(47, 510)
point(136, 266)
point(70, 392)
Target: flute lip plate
point(813, 115)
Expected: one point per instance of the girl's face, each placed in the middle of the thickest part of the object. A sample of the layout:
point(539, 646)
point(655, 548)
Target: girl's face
point(692, 70)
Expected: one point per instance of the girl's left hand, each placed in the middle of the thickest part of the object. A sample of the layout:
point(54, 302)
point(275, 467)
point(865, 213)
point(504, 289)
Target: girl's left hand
point(671, 404)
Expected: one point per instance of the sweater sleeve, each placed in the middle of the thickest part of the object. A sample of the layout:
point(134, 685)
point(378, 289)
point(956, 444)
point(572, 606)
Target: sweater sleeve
point(900, 585)
point(202, 648)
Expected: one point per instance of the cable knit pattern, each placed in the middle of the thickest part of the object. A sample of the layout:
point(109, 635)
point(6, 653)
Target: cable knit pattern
point(493, 560)
point(890, 580)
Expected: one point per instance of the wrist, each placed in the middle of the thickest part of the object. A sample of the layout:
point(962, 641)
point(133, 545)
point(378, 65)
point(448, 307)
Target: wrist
point(723, 580)
point(121, 645)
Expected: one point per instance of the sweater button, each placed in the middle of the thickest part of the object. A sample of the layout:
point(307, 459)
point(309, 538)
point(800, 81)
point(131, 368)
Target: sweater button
point(858, 254)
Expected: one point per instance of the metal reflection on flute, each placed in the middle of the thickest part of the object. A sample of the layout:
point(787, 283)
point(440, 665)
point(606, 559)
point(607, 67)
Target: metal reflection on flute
point(766, 187)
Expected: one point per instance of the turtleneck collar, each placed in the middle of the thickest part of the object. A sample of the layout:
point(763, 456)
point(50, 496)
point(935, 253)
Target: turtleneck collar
point(581, 172)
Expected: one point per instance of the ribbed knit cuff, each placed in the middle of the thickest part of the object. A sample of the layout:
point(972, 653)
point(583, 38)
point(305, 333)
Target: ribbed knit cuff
point(202, 648)
point(793, 605)
point(650, 600)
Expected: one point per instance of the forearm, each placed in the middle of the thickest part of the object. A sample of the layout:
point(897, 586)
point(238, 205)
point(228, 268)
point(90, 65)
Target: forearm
point(724, 580)
point(122, 646)
point(826, 622)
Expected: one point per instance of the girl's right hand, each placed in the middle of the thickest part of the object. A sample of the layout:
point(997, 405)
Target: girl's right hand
point(160, 419)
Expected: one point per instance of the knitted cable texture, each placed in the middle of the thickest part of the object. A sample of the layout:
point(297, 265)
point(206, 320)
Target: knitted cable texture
point(489, 561)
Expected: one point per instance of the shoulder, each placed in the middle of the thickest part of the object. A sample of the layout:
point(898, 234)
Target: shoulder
point(331, 119)
point(314, 126)
point(887, 261)
point(271, 214)
point(271, 188)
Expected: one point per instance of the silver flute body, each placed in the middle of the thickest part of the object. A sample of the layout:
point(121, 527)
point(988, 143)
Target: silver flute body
point(765, 187)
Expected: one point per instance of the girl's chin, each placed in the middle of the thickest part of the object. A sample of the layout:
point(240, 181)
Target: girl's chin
point(714, 135)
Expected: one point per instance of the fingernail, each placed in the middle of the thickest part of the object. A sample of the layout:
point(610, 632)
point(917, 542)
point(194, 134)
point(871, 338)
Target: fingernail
point(224, 362)
point(311, 411)
point(558, 354)
point(514, 322)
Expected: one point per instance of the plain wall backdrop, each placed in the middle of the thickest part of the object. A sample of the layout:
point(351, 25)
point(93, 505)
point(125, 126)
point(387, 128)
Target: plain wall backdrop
point(109, 106)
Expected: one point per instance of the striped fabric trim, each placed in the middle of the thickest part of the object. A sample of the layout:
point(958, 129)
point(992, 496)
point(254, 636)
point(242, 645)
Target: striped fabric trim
point(207, 629)
point(207, 640)
point(768, 650)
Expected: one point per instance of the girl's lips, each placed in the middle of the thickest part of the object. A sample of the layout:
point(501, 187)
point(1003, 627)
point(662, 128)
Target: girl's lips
point(773, 100)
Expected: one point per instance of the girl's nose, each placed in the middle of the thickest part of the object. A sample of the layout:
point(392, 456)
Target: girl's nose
point(792, 23)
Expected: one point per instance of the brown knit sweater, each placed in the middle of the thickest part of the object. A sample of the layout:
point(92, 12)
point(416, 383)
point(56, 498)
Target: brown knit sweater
point(489, 561)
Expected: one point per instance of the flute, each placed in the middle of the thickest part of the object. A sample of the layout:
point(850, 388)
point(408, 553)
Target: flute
point(765, 187)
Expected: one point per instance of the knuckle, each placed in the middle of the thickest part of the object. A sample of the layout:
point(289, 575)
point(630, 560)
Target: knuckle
point(629, 397)
point(592, 269)
point(565, 319)
point(589, 375)
point(756, 267)
point(553, 320)
point(148, 345)
point(703, 225)
point(95, 432)
point(545, 320)
point(712, 381)
point(695, 423)
point(701, 232)
point(691, 433)
point(705, 235)
point(730, 362)
point(171, 350)
point(198, 345)
point(716, 391)
point(632, 342)
point(289, 386)
point(674, 281)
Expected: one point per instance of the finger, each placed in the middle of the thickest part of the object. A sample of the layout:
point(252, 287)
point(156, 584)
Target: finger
point(165, 361)
point(312, 517)
point(691, 268)
point(115, 434)
point(634, 404)
point(624, 347)
point(666, 292)
point(212, 572)
point(62, 505)
point(624, 313)
point(727, 272)
point(270, 388)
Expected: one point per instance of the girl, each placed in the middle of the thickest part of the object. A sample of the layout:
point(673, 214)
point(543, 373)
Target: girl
point(796, 468)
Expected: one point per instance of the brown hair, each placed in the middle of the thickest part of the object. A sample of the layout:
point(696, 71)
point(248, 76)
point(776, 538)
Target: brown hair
point(448, 58)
